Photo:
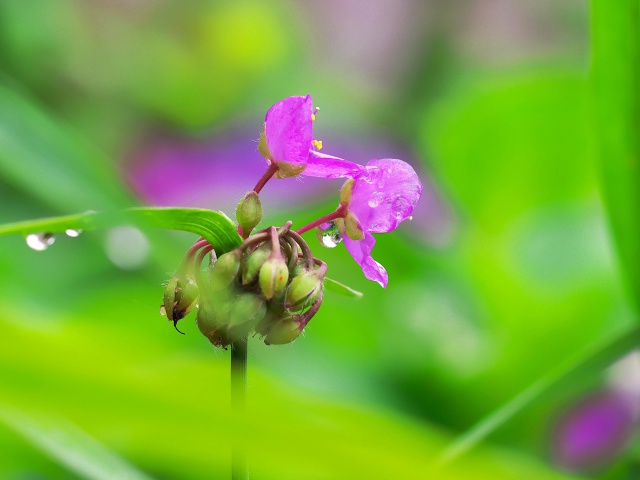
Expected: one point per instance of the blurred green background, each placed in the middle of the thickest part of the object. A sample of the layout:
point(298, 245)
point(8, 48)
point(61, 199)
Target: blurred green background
point(506, 276)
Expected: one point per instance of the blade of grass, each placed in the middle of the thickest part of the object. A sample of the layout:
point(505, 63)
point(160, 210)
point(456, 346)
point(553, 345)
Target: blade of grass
point(615, 77)
point(71, 447)
point(214, 226)
point(594, 358)
point(50, 161)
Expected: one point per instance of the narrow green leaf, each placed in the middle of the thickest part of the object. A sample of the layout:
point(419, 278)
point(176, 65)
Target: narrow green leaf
point(615, 76)
point(597, 357)
point(341, 289)
point(214, 226)
point(71, 447)
point(53, 163)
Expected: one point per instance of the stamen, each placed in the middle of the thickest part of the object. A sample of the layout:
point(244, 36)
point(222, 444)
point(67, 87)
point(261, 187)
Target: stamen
point(313, 117)
point(317, 144)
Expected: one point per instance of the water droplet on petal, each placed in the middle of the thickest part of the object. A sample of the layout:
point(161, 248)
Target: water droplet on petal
point(401, 208)
point(73, 233)
point(163, 311)
point(376, 199)
point(331, 236)
point(40, 241)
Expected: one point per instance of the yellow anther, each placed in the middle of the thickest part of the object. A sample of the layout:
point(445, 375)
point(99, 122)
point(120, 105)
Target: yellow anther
point(317, 144)
point(313, 117)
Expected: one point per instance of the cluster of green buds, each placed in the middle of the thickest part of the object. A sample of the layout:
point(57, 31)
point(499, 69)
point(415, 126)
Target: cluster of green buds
point(271, 285)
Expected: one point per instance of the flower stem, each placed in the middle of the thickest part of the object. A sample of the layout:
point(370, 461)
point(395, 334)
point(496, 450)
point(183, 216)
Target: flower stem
point(340, 212)
point(238, 401)
point(271, 170)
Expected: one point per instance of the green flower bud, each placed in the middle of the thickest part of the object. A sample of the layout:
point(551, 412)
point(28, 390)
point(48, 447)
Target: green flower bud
point(299, 268)
point(274, 275)
point(210, 319)
point(207, 318)
point(225, 269)
point(249, 212)
point(285, 330)
point(303, 291)
point(352, 227)
point(252, 265)
point(180, 297)
point(246, 312)
point(271, 318)
point(289, 327)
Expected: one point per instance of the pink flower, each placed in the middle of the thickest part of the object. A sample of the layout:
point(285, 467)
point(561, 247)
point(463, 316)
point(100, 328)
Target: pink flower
point(383, 194)
point(287, 136)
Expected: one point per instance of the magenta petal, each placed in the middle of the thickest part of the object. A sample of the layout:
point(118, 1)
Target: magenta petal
point(385, 195)
point(288, 130)
point(326, 166)
point(360, 250)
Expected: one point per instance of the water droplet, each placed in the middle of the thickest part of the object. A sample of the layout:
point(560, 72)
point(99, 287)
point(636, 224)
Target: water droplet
point(73, 233)
point(331, 236)
point(401, 208)
point(376, 199)
point(163, 311)
point(40, 241)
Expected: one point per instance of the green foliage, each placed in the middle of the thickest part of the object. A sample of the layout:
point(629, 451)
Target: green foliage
point(214, 226)
point(337, 287)
point(615, 76)
point(477, 340)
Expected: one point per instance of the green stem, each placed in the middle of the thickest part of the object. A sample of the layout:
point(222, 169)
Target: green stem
point(615, 78)
point(238, 401)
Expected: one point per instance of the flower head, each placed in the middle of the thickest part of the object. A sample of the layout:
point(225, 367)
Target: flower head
point(382, 194)
point(287, 136)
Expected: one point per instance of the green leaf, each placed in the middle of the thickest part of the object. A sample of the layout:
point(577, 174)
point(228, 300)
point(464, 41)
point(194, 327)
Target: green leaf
point(50, 161)
point(597, 357)
point(615, 76)
point(339, 288)
point(214, 226)
point(71, 447)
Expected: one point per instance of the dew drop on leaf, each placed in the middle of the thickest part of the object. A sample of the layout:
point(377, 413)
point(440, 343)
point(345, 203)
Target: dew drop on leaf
point(40, 241)
point(73, 233)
